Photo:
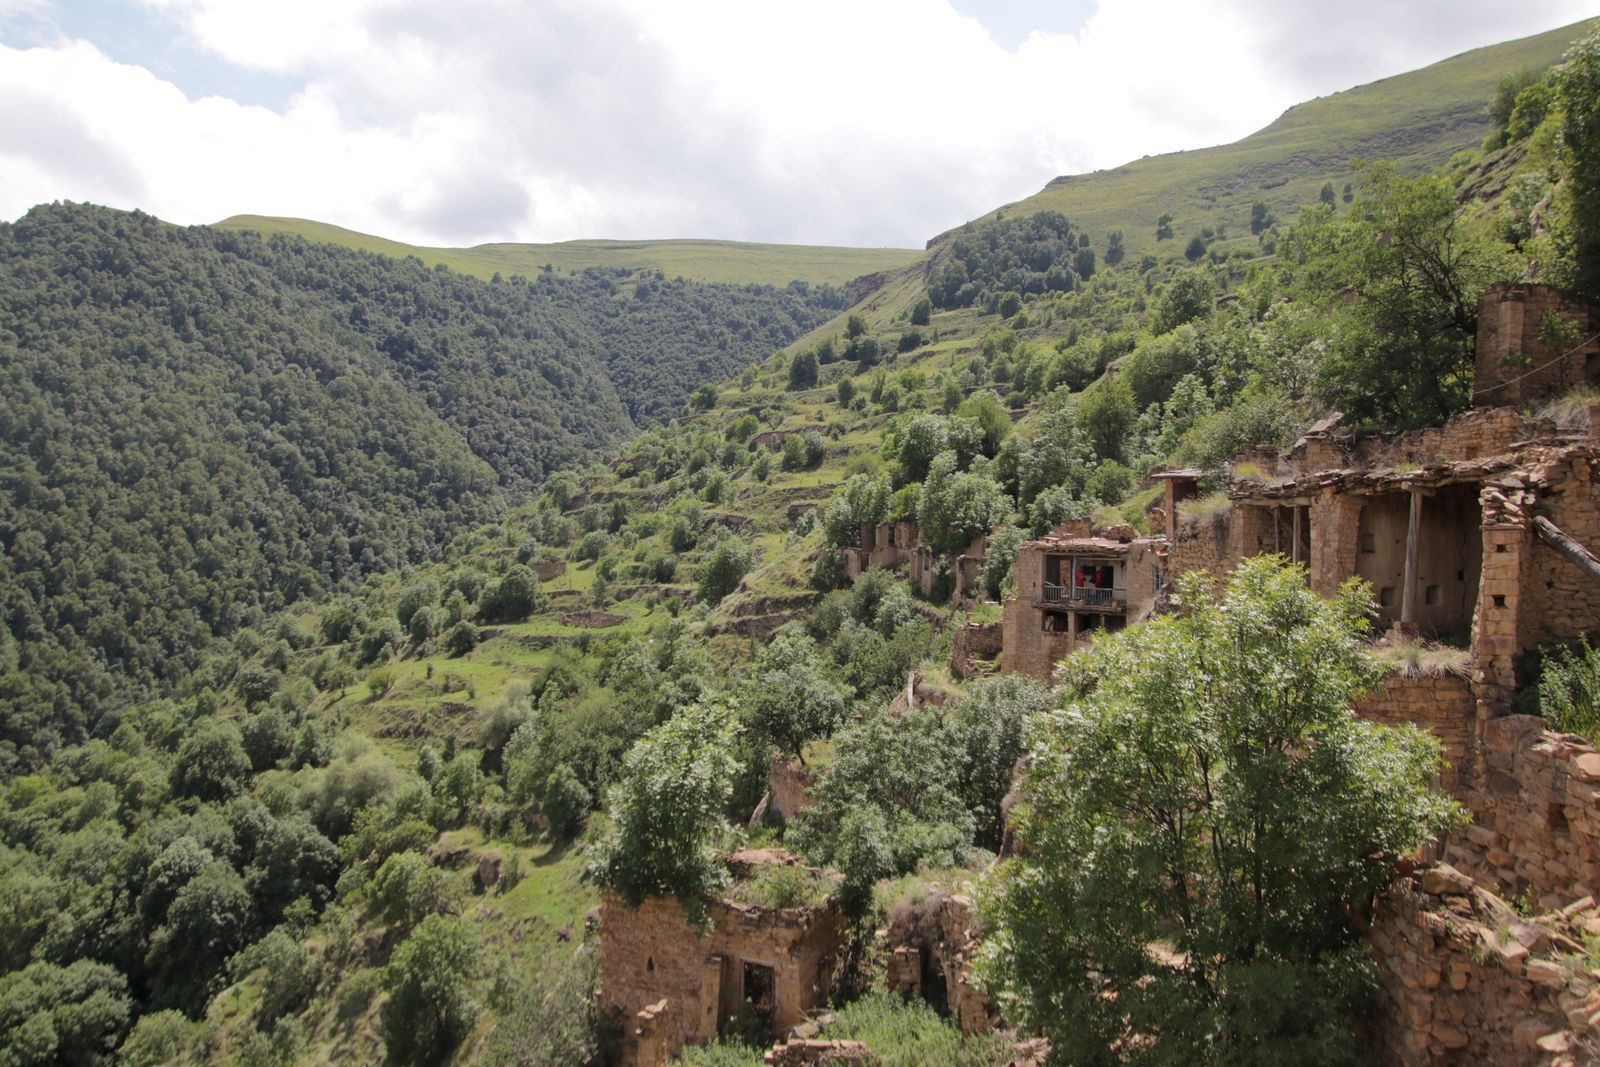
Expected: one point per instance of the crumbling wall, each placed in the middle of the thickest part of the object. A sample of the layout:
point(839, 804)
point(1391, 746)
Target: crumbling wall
point(667, 984)
point(975, 640)
point(939, 934)
point(1203, 546)
point(1442, 704)
point(1535, 806)
point(1335, 540)
point(1463, 980)
point(1515, 364)
point(788, 788)
point(1563, 602)
point(1029, 649)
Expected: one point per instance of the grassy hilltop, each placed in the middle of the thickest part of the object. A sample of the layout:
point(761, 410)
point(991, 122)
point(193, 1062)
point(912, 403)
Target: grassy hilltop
point(1418, 119)
point(727, 262)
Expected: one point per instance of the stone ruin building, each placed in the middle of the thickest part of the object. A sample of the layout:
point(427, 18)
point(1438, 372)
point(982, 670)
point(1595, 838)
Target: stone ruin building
point(1479, 533)
point(667, 986)
point(891, 545)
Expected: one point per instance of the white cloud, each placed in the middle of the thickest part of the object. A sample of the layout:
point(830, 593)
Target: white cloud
point(834, 121)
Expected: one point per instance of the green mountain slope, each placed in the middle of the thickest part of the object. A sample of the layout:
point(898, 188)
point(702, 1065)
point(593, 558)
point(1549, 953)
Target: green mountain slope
point(1418, 119)
point(726, 262)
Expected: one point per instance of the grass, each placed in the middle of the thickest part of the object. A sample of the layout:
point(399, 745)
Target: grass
point(1417, 657)
point(1419, 119)
point(909, 1033)
point(730, 262)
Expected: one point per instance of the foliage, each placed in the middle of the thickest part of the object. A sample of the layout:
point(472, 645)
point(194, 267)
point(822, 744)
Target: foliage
point(909, 1033)
point(997, 562)
point(566, 803)
point(1024, 254)
point(787, 699)
point(863, 500)
point(1578, 82)
point(1208, 790)
point(429, 982)
point(544, 1016)
point(665, 807)
point(723, 567)
point(953, 508)
point(987, 728)
point(74, 1014)
point(407, 889)
point(1403, 352)
point(803, 370)
point(1569, 690)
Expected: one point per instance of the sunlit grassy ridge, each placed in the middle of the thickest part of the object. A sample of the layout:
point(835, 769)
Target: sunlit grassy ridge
point(729, 262)
point(1418, 119)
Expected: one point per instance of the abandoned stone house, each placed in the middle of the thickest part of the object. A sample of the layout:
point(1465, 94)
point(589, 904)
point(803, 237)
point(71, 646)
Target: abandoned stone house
point(892, 545)
point(667, 985)
point(1071, 586)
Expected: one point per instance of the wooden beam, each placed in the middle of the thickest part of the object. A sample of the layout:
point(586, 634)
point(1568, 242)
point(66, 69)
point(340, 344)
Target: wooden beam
point(1569, 549)
point(1408, 591)
point(1294, 555)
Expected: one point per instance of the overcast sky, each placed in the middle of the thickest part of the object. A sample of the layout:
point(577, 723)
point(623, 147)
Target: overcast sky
point(861, 122)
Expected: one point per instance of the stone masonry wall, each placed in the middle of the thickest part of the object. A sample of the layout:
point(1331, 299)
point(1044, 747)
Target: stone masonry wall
point(1514, 365)
point(1562, 602)
point(1535, 808)
point(664, 981)
point(975, 640)
point(1442, 704)
point(1463, 980)
point(943, 928)
point(788, 788)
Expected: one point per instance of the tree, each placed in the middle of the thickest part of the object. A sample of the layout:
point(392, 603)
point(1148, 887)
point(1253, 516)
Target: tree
point(1327, 195)
point(987, 728)
point(1578, 82)
point(1260, 218)
point(1083, 263)
point(803, 370)
point(953, 508)
point(566, 803)
point(1207, 788)
point(1003, 544)
point(75, 1014)
point(515, 596)
point(921, 437)
point(1164, 227)
point(1114, 249)
point(985, 409)
point(730, 561)
point(407, 889)
point(212, 763)
point(429, 982)
point(666, 808)
point(1106, 414)
point(863, 500)
point(922, 313)
point(1404, 354)
point(854, 327)
point(1195, 250)
point(787, 700)
point(703, 398)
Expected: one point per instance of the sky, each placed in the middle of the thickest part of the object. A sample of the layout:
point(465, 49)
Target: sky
point(853, 122)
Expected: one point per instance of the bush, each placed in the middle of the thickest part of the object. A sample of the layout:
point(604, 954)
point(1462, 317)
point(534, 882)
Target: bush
point(566, 803)
point(212, 763)
point(1569, 690)
point(803, 370)
point(407, 890)
point(516, 595)
point(461, 638)
point(723, 568)
point(429, 982)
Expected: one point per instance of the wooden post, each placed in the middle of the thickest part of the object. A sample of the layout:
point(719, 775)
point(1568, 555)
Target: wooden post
point(1408, 592)
point(1294, 556)
point(1569, 549)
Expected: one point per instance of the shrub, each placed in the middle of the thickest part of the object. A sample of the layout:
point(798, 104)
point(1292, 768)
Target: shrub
point(566, 802)
point(516, 595)
point(429, 982)
point(461, 638)
point(723, 568)
point(1569, 690)
point(407, 890)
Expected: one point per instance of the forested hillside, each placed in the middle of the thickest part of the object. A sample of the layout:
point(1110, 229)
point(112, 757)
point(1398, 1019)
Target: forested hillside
point(201, 426)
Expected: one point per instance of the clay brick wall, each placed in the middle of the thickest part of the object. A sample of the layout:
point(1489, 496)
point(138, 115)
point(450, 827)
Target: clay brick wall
point(1442, 704)
point(1514, 366)
point(1335, 540)
point(651, 954)
point(1204, 546)
point(940, 932)
point(1464, 980)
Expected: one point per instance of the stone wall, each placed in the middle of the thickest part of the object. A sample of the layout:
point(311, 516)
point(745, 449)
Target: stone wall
point(939, 935)
point(1514, 365)
point(1563, 603)
point(669, 986)
point(1464, 980)
point(975, 640)
point(1535, 813)
point(1203, 546)
point(788, 788)
point(1028, 649)
point(1440, 703)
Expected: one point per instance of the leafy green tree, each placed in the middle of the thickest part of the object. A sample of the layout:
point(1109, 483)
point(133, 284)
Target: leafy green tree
point(268, 738)
point(566, 803)
point(407, 889)
point(212, 763)
point(1405, 349)
point(258, 682)
point(208, 921)
point(1195, 250)
point(1208, 788)
point(429, 982)
point(1261, 218)
point(854, 327)
point(1578, 82)
point(1504, 102)
point(846, 391)
point(75, 1014)
point(987, 728)
point(1083, 263)
point(666, 809)
point(803, 370)
point(703, 398)
point(863, 500)
point(985, 409)
point(1327, 195)
point(1114, 249)
point(722, 569)
point(954, 507)
point(1010, 304)
point(787, 700)
point(1106, 413)
point(1188, 297)
point(461, 638)
point(1164, 227)
point(514, 597)
point(545, 1015)
point(997, 562)
point(922, 313)
point(921, 438)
